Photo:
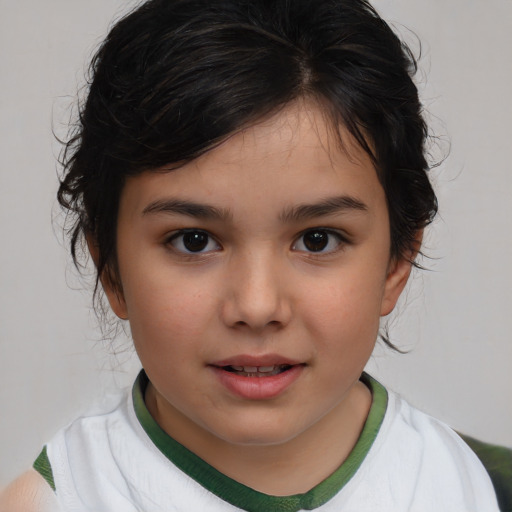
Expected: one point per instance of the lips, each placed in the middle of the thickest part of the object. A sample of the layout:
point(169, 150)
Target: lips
point(257, 371)
point(257, 378)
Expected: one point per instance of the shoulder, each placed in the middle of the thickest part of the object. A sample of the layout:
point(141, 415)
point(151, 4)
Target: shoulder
point(497, 460)
point(103, 442)
point(28, 493)
point(95, 427)
point(88, 436)
point(35, 490)
point(436, 456)
point(429, 434)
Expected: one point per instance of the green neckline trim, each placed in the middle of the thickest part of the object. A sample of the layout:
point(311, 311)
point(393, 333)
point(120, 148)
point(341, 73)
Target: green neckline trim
point(44, 468)
point(244, 497)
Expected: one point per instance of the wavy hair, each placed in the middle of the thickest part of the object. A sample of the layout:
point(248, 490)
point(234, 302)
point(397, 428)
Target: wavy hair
point(174, 78)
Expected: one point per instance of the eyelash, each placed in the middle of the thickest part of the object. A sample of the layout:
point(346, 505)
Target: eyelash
point(177, 239)
point(340, 240)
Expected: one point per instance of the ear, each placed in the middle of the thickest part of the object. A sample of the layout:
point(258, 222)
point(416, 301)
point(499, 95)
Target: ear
point(112, 290)
point(398, 274)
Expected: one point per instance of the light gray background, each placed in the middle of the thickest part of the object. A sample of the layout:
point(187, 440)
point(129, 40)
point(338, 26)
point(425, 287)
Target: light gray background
point(454, 319)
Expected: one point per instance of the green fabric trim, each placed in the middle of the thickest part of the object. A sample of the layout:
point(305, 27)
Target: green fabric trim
point(44, 468)
point(244, 497)
point(497, 460)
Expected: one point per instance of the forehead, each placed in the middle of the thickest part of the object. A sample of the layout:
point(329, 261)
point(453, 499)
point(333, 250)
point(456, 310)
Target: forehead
point(295, 156)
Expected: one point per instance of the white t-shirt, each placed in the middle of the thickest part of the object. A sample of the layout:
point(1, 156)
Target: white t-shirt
point(120, 460)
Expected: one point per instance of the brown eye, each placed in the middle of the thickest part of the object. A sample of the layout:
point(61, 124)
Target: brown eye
point(193, 241)
point(316, 240)
point(319, 241)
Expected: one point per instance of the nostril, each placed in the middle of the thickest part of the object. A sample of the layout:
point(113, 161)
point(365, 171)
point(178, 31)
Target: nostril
point(272, 325)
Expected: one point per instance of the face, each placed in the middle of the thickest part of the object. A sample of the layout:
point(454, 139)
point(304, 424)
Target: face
point(254, 278)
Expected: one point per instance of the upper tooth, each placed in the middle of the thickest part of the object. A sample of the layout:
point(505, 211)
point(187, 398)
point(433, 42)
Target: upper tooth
point(254, 369)
point(265, 369)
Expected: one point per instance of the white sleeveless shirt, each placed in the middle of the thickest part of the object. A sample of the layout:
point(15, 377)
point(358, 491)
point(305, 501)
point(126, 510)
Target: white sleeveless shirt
point(119, 460)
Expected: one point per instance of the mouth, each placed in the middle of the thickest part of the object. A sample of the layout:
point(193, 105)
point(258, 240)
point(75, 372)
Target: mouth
point(255, 378)
point(257, 371)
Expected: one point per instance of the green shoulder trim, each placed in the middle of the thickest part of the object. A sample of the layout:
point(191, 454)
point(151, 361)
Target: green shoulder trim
point(244, 497)
point(497, 460)
point(44, 468)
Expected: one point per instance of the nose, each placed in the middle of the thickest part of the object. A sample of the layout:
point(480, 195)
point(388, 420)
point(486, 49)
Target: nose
point(257, 295)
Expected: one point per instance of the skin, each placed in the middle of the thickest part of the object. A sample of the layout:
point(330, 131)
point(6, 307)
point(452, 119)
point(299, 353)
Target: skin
point(28, 493)
point(257, 290)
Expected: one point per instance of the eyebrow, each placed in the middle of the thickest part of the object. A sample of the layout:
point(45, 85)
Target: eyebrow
point(329, 206)
point(189, 208)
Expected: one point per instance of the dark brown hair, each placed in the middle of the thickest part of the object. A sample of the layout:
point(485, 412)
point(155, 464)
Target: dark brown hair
point(176, 77)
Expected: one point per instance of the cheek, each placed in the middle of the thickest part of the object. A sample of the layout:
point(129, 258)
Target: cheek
point(346, 313)
point(162, 312)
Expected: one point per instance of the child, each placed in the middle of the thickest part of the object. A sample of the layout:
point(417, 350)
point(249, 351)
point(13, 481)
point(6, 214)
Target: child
point(250, 179)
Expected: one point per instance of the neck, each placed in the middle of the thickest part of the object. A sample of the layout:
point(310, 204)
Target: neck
point(288, 468)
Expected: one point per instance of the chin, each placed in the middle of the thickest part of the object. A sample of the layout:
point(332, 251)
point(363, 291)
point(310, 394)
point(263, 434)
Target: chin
point(258, 433)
